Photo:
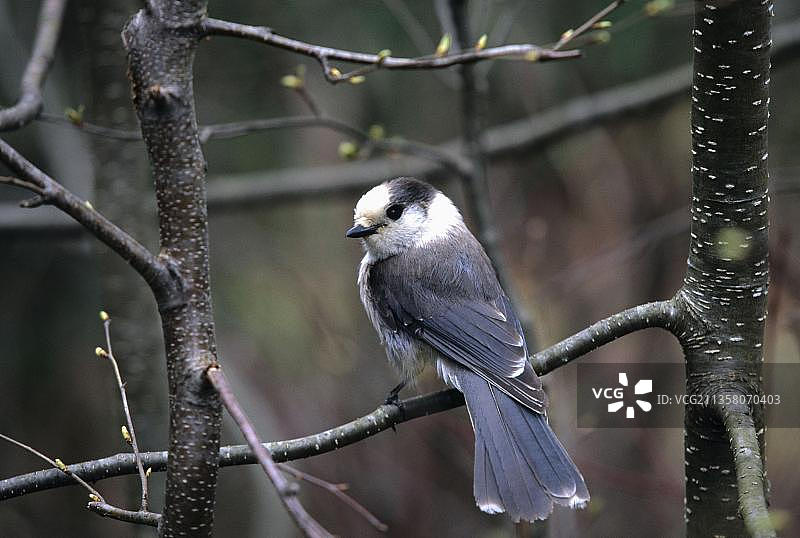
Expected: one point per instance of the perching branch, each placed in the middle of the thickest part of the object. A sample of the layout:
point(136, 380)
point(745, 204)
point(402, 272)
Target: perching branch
point(750, 475)
point(287, 492)
point(324, 55)
point(44, 47)
point(662, 314)
point(49, 191)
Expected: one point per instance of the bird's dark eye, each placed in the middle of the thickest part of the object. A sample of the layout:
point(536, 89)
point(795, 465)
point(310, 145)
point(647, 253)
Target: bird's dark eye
point(394, 211)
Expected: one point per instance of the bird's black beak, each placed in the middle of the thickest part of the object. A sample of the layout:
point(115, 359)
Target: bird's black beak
point(361, 231)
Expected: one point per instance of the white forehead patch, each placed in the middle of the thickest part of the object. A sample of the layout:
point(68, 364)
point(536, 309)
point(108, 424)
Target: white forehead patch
point(373, 202)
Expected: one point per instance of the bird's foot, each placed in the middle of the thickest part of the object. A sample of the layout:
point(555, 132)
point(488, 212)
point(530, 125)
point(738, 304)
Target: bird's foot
point(393, 398)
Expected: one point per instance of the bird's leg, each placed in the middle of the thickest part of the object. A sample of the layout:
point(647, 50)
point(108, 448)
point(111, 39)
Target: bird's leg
point(393, 397)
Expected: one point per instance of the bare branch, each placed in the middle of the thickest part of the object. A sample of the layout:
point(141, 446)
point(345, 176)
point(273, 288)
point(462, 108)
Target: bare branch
point(378, 61)
point(233, 192)
point(383, 418)
point(224, 131)
point(287, 491)
point(570, 35)
point(749, 466)
point(30, 100)
point(57, 465)
point(109, 354)
point(140, 517)
point(49, 191)
point(90, 128)
point(338, 491)
point(663, 314)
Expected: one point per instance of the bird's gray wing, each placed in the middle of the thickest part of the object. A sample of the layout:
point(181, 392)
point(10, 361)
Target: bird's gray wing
point(483, 335)
point(488, 341)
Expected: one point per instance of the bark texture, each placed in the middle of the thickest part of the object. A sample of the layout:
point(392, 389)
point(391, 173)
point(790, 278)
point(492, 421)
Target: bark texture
point(161, 40)
point(725, 289)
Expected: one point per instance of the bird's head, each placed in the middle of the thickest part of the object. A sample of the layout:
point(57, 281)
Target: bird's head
point(400, 214)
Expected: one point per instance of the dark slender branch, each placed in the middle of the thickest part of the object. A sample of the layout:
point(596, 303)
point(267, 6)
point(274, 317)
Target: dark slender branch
point(49, 191)
point(57, 466)
point(30, 100)
point(131, 437)
point(224, 131)
point(750, 474)
point(663, 314)
point(397, 145)
point(338, 491)
point(140, 517)
point(287, 491)
point(233, 192)
point(325, 54)
point(570, 35)
point(382, 418)
point(93, 129)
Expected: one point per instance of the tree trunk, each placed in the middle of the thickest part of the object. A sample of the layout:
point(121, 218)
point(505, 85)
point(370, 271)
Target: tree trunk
point(725, 289)
point(161, 40)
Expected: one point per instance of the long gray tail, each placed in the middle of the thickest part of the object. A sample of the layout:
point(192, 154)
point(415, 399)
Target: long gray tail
point(520, 466)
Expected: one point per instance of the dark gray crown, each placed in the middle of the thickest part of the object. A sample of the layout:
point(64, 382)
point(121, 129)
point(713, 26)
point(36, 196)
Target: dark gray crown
point(407, 190)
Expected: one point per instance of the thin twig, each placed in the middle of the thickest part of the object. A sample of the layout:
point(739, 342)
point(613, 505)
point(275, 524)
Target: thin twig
point(338, 490)
point(21, 183)
point(109, 354)
point(324, 55)
point(93, 129)
point(569, 35)
point(224, 131)
point(55, 464)
point(30, 100)
point(287, 492)
point(141, 517)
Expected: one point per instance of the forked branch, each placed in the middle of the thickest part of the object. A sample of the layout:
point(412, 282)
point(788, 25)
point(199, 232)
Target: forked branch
point(663, 314)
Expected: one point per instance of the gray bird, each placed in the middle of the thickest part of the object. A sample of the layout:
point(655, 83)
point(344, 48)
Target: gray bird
point(433, 296)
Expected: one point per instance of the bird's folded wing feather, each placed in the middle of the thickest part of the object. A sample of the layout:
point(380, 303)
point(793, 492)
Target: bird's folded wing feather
point(483, 336)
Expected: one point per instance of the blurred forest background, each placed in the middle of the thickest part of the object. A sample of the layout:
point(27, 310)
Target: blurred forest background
point(590, 224)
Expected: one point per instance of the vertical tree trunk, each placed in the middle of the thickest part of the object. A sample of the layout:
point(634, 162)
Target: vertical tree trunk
point(726, 283)
point(161, 40)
